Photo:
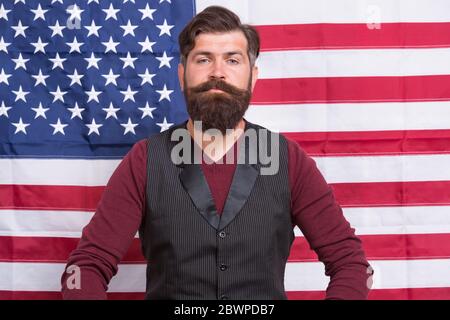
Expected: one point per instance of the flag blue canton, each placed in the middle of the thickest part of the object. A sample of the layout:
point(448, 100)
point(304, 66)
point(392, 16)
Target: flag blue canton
point(88, 78)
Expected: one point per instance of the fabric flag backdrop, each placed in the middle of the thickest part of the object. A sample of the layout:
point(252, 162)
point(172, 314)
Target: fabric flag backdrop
point(362, 86)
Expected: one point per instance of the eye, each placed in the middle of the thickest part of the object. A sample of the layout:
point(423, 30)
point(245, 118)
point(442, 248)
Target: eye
point(233, 61)
point(202, 60)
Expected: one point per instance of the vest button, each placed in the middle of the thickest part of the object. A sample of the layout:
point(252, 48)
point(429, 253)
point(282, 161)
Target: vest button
point(223, 267)
point(222, 234)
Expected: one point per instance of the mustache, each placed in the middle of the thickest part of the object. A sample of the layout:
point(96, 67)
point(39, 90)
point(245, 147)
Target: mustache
point(218, 84)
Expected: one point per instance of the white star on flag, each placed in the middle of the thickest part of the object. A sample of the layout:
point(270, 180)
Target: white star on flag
point(128, 61)
point(128, 28)
point(20, 29)
point(92, 61)
point(58, 94)
point(20, 62)
point(165, 28)
point(57, 29)
point(39, 46)
point(128, 94)
point(75, 45)
point(4, 45)
point(4, 110)
point(111, 12)
point(20, 126)
point(75, 12)
point(40, 111)
point(93, 127)
point(164, 125)
point(4, 12)
point(111, 111)
point(129, 127)
point(110, 45)
point(147, 111)
point(76, 111)
point(20, 95)
point(40, 78)
point(58, 127)
point(93, 29)
point(39, 13)
point(58, 62)
point(164, 60)
point(146, 77)
point(4, 77)
point(111, 78)
point(93, 95)
point(147, 12)
point(75, 77)
point(146, 45)
point(164, 93)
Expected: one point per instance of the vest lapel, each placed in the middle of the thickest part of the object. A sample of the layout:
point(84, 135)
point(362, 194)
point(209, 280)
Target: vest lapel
point(194, 182)
point(243, 181)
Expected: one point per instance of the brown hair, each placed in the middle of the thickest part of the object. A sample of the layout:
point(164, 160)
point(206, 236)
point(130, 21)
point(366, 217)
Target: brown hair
point(216, 19)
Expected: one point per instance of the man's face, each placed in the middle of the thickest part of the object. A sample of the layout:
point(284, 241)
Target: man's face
point(218, 79)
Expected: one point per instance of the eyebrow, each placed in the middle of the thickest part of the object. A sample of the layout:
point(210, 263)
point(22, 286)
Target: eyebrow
point(228, 54)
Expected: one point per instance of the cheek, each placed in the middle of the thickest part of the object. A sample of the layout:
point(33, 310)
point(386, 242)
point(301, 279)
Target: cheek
point(194, 77)
point(241, 80)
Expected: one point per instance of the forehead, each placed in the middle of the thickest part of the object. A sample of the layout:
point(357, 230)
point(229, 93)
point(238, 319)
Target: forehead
point(221, 42)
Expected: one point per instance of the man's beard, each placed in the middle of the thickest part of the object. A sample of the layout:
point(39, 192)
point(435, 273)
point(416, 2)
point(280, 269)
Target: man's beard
point(218, 110)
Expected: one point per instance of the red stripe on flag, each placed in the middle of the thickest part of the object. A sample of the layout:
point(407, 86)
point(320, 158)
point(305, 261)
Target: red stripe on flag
point(46, 295)
point(377, 247)
point(52, 249)
point(382, 294)
point(361, 194)
point(351, 89)
point(81, 198)
point(372, 194)
point(375, 294)
point(386, 247)
point(373, 142)
point(354, 36)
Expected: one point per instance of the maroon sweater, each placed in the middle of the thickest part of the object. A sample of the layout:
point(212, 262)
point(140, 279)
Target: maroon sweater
point(106, 239)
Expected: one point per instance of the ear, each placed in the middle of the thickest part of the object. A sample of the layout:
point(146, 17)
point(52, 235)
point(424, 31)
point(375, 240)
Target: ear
point(254, 76)
point(181, 75)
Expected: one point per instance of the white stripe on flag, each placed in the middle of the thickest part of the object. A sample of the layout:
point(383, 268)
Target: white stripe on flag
point(389, 274)
point(353, 63)
point(366, 221)
point(433, 167)
point(351, 116)
point(300, 276)
point(269, 12)
point(66, 172)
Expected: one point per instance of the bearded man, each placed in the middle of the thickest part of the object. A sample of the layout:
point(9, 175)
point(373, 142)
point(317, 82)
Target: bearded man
point(215, 229)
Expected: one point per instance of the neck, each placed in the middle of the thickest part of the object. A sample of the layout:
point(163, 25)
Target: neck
point(217, 145)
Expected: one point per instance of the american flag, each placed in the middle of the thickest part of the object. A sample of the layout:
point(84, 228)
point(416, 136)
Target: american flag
point(362, 86)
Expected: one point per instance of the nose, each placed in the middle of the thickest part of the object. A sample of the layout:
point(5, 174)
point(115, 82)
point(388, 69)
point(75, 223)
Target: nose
point(217, 71)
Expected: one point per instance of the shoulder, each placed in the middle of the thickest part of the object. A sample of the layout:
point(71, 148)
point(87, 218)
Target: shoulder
point(301, 166)
point(139, 149)
point(297, 155)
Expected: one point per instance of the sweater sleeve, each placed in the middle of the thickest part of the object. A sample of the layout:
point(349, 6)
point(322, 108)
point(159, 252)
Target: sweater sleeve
point(321, 220)
point(108, 236)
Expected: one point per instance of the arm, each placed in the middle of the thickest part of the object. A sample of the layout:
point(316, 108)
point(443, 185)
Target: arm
point(320, 218)
point(107, 237)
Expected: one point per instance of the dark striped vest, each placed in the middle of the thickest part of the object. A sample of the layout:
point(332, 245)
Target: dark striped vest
point(194, 253)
